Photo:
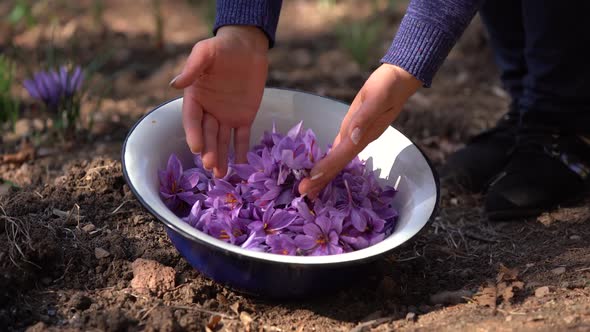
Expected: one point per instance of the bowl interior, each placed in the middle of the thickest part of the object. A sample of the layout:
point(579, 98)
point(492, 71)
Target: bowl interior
point(401, 164)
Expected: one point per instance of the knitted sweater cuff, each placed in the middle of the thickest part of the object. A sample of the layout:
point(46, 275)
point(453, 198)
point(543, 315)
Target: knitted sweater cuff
point(263, 14)
point(419, 48)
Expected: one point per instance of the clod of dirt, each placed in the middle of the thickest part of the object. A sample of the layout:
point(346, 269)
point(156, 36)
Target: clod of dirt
point(152, 277)
point(411, 317)
point(162, 319)
point(542, 291)
point(37, 327)
point(451, 297)
point(213, 322)
point(558, 271)
point(100, 253)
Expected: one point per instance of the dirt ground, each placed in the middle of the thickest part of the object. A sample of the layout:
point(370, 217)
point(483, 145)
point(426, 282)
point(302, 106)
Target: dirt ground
point(77, 250)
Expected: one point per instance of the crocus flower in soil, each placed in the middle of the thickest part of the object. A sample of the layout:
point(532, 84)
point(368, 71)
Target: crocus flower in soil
point(51, 86)
point(282, 244)
point(321, 237)
point(177, 188)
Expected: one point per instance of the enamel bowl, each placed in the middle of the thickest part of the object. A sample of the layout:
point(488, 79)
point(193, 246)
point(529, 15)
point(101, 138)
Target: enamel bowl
point(402, 165)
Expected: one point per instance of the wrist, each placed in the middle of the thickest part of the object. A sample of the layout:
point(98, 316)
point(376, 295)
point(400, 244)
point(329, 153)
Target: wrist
point(250, 37)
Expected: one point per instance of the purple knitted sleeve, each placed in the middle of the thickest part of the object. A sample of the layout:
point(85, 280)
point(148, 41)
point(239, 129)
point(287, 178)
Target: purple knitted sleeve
point(427, 33)
point(261, 13)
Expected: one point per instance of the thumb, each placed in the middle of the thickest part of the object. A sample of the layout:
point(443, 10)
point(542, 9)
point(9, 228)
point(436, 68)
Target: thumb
point(201, 57)
point(365, 116)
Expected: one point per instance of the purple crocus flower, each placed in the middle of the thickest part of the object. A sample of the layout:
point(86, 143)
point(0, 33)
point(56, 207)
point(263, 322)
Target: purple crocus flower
point(52, 86)
point(227, 229)
point(282, 244)
point(177, 188)
point(321, 237)
point(273, 222)
point(194, 216)
point(373, 232)
point(223, 195)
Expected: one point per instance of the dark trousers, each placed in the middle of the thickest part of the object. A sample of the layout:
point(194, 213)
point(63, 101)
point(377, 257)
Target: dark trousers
point(541, 47)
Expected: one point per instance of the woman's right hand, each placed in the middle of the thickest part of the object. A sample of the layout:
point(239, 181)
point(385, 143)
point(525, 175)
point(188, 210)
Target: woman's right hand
point(223, 82)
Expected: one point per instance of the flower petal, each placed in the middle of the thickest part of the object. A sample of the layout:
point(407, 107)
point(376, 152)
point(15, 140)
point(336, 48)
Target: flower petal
point(174, 167)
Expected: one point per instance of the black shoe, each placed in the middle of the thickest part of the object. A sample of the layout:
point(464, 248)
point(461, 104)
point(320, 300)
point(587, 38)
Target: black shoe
point(544, 170)
point(484, 156)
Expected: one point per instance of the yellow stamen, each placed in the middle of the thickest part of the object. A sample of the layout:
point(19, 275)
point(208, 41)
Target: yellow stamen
point(223, 235)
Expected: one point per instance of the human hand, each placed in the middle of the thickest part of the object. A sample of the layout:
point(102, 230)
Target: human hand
point(374, 108)
point(223, 82)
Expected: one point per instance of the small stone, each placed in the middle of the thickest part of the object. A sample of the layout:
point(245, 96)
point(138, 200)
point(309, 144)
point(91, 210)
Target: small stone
point(558, 271)
point(542, 291)
point(508, 318)
point(245, 318)
point(88, 228)
point(235, 307)
point(575, 237)
point(100, 253)
point(411, 317)
point(138, 220)
point(454, 201)
point(569, 319)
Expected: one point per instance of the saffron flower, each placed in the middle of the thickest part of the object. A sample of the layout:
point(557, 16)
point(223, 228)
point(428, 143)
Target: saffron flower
point(321, 237)
point(257, 205)
point(178, 188)
point(53, 86)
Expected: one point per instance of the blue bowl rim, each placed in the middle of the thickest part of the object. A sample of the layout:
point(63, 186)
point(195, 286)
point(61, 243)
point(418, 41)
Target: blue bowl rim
point(172, 227)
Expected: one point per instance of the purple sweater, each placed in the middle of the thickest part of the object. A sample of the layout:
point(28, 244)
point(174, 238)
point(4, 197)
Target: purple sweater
point(425, 37)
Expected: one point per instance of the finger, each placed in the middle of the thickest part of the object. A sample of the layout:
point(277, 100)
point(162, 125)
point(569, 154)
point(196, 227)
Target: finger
point(201, 57)
point(192, 118)
point(242, 144)
point(223, 138)
point(326, 169)
point(210, 129)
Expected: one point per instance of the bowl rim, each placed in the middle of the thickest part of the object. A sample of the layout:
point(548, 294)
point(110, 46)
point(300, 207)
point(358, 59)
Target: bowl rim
point(275, 258)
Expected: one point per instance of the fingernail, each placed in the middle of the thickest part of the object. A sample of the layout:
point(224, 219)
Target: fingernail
point(317, 176)
point(355, 136)
point(173, 80)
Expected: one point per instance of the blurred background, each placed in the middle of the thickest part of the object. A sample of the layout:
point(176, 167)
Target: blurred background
point(129, 51)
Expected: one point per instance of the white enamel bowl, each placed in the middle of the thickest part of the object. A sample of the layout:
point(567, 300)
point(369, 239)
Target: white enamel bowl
point(159, 133)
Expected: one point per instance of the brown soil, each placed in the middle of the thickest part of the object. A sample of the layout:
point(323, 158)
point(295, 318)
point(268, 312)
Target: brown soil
point(72, 234)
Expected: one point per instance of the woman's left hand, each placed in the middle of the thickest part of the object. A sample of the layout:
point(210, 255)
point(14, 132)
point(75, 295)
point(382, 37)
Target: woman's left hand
point(374, 108)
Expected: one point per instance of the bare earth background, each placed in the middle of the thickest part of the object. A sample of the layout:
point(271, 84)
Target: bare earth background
point(72, 234)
